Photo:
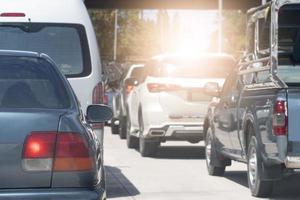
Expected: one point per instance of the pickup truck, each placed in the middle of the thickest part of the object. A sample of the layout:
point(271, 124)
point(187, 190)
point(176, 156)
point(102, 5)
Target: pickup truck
point(255, 119)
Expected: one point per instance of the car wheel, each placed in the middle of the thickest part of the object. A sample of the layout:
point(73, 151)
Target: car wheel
point(147, 148)
point(132, 142)
point(114, 128)
point(258, 187)
point(215, 165)
point(123, 128)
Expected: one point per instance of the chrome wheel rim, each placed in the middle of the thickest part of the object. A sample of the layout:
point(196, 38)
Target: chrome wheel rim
point(208, 149)
point(252, 167)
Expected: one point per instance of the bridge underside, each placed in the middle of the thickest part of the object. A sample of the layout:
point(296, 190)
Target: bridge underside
point(171, 4)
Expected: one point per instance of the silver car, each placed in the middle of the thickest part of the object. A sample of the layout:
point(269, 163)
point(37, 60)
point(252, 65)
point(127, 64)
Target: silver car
point(48, 149)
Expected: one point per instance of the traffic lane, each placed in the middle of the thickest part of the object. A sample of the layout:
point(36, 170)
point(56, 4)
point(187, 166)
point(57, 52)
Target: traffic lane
point(178, 172)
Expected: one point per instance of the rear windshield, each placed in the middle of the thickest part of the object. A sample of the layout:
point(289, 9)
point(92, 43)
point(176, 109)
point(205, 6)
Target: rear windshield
point(66, 44)
point(289, 43)
point(136, 72)
point(202, 68)
point(30, 83)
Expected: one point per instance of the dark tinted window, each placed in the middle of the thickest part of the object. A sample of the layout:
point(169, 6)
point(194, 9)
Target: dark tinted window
point(137, 72)
point(65, 43)
point(230, 83)
point(264, 25)
point(30, 83)
point(210, 67)
point(289, 43)
point(250, 38)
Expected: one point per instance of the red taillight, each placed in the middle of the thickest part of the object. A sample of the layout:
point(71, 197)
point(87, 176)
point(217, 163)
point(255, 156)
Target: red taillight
point(39, 145)
point(280, 119)
point(38, 151)
point(98, 94)
point(98, 98)
point(44, 151)
point(72, 153)
point(14, 14)
point(158, 87)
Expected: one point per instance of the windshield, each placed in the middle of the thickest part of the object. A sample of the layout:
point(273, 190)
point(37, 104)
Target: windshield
point(201, 68)
point(289, 43)
point(65, 43)
point(30, 83)
point(136, 72)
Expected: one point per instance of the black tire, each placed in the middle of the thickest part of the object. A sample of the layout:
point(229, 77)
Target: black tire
point(147, 148)
point(123, 128)
point(215, 165)
point(132, 142)
point(114, 128)
point(257, 186)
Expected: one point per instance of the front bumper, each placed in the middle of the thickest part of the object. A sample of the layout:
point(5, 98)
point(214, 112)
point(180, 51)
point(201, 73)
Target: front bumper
point(51, 194)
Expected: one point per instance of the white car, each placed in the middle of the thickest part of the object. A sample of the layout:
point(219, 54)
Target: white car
point(170, 103)
point(62, 29)
point(118, 125)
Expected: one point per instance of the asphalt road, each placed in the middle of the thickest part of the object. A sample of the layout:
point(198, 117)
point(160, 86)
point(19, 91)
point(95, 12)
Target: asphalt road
point(178, 172)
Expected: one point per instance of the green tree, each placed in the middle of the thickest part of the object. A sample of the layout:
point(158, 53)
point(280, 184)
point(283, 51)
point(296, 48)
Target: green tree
point(103, 21)
point(234, 26)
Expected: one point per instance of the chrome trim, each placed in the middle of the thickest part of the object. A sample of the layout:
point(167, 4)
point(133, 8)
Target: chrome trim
point(292, 162)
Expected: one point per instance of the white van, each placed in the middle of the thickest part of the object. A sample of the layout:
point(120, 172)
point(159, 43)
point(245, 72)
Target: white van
point(61, 29)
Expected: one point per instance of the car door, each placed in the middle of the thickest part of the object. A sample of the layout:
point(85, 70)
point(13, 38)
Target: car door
point(134, 99)
point(225, 114)
point(234, 115)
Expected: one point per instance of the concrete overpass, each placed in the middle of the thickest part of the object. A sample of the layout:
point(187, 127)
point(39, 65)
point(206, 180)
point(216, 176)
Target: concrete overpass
point(172, 4)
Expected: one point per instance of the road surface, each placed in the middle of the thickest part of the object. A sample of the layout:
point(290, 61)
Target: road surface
point(178, 172)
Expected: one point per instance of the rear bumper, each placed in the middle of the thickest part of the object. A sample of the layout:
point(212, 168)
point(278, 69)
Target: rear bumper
point(292, 162)
point(51, 194)
point(178, 132)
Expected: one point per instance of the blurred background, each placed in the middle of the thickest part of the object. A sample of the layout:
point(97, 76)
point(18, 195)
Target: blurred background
point(133, 36)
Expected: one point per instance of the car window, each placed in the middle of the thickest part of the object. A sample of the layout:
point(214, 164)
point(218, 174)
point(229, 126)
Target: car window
point(30, 83)
point(251, 38)
point(230, 84)
point(136, 72)
point(289, 44)
point(65, 43)
point(264, 27)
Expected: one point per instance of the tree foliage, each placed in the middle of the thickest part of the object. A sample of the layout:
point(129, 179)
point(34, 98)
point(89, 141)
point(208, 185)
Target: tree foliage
point(234, 31)
point(138, 38)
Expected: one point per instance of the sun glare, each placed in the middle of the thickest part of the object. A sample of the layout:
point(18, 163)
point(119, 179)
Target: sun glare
point(196, 30)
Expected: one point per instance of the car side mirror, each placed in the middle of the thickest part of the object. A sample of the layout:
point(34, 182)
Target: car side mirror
point(97, 113)
point(131, 82)
point(212, 89)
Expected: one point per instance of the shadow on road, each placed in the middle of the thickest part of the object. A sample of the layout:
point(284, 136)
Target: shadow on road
point(118, 185)
point(239, 177)
point(181, 152)
point(286, 189)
